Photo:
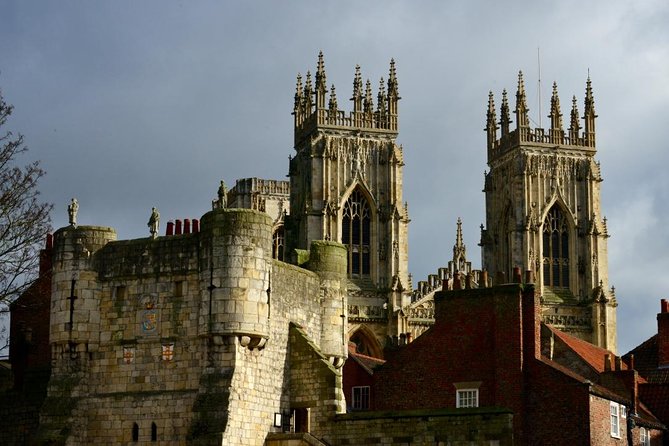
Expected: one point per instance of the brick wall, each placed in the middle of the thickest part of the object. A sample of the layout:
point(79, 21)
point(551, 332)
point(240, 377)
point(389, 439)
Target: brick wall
point(477, 337)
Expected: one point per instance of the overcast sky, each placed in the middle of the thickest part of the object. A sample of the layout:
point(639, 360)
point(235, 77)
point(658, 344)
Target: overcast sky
point(131, 105)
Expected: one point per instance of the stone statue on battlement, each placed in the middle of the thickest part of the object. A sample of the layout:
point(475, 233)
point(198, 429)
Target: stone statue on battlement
point(72, 210)
point(222, 196)
point(154, 222)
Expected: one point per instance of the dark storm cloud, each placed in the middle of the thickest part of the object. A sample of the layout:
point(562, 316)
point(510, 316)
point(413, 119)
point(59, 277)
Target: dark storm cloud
point(132, 105)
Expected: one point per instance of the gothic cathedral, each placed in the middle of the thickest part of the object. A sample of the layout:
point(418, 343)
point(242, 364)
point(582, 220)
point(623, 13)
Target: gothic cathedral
point(346, 186)
point(543, 214)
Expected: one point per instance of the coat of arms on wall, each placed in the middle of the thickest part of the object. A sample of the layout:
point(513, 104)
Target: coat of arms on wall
point(168, 351)
point(149, 315)
point(128, 355)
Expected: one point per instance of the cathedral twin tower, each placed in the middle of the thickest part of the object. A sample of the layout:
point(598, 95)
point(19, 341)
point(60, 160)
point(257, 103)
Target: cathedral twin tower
point(543, 214)
point(542, 205)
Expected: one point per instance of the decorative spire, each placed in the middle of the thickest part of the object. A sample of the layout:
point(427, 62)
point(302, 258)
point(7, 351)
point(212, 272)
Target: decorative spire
point(381, 105)
point(357, 94)
point(575, 123)
point(308, 94)
point(556, 115)
point(589, 115)
point(491, 121)
point(298, 93)
point(459, 249)
point(368, 103)
point(393, 91)
point(393, 96)
point(556, 132)
point(321, 86)
point(522, 119)
point(332, 105)
point(505, 119)
point(320, 71)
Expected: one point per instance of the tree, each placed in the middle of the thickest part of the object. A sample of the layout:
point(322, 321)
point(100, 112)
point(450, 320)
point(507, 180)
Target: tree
point(24, 219)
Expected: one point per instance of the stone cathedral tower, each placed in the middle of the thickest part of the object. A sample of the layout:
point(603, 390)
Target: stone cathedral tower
point(346, 186)
point(543, 214)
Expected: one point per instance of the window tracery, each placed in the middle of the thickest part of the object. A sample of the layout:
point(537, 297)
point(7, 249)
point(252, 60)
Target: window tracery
point(556, 249)
point(356, 233)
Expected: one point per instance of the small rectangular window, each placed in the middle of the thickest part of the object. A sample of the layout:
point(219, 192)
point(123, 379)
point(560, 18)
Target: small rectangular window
point(179, 288)
point(615, 420)
point(120, 292)
point(467, 398)
point(360, 398)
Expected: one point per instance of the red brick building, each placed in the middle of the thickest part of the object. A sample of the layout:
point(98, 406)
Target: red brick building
point(651, 360)
point(358, 379)
point(485, 351)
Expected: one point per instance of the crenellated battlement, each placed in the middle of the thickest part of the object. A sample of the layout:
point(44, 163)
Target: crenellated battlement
point(500, 142)
point(311, 112)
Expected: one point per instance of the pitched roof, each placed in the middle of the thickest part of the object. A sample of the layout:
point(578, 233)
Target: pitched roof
point(368, 363)
point(591, 354)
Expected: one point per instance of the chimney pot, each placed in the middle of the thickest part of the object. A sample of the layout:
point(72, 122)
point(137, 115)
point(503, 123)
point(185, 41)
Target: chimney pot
point(196, 225)
point(619, 363)
point(186, 225)
point(516, 274)
point(607, 362)
point(484, 279)
point(177, 227)
point(169, 230)
point(457, 283)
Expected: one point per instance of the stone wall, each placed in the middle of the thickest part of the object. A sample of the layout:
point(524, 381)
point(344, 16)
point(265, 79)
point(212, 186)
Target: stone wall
point(473, 427)
point(185, 339)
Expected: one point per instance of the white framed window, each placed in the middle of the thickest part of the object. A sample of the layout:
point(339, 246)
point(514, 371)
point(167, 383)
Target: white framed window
point(467, 398)
point(623, 412)
point(644, 437)
point(615, 420)
point(360, 398)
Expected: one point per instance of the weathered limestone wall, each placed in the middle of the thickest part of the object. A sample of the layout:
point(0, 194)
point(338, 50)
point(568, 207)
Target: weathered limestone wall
point(260, 382)
point(185, 336)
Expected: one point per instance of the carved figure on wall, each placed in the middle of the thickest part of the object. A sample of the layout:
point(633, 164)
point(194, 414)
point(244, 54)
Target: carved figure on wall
point(154, 222)
point(72, 210)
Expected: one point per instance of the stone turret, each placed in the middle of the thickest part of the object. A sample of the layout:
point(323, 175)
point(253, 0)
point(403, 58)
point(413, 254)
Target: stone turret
point(75, 315)
point(236, 247)
point(328, 260)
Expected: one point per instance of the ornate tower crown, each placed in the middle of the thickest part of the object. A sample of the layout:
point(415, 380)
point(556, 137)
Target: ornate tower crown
point(543, 213)
point(311, 109)
point(524, 134)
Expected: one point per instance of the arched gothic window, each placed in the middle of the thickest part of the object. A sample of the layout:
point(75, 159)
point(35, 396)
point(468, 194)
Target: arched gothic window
point(278, 240)
point(366, 344)
point(355, 229)
point(135, 432)
point(556, 249)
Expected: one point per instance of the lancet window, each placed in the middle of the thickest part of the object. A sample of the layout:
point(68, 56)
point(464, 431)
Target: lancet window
point(278, 242)
point(556, 249)
point(356, 228)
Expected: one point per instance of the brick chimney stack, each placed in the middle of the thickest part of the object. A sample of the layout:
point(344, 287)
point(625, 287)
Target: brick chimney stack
point(663, 335)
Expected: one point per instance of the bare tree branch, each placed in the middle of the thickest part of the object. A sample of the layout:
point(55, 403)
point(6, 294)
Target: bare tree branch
point(24, 219)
